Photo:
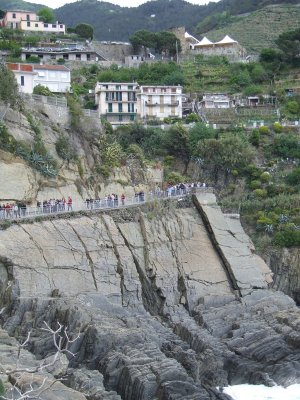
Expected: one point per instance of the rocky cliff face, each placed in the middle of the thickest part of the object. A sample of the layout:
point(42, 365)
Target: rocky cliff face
point(286, 267)
point(169, 298)
point(20, 182)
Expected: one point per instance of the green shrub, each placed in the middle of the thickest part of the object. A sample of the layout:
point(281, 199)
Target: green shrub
point(264, 130)
point(64, 148)
point(33, 60)
point(42, 90)
point(262, 193)
point(103, 170)
point(235, 173)
point(254, 138)
point(265, 177)
point(293, 107)
point(294, 177)
point(193, 117)
point(174, 178)
point(287, 238)
point(169, 161)
point(255, 184)
point(136, 151)
point(61, 61)
point(277, 127)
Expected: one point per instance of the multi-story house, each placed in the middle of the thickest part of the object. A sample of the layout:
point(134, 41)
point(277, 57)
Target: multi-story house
point(56, 78)
point(159, 102)
point(117, 102)
point(29, 21)
point(122, 103)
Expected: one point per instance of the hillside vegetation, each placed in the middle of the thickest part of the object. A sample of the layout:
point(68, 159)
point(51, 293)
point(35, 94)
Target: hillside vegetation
point(153, 15)
point(261, 28)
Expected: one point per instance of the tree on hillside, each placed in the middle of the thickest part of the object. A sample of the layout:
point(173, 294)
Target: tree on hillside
point(167, 42)
point(85, 31)
point(8, 86)
point(289, 44)
point(224, 154)
point(177, 145)
point(143, 38)
point(2, 13)
point(46, 14)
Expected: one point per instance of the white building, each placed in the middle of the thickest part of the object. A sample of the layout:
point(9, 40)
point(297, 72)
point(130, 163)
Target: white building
point(216, 100)
point(117, 102)
point(56, 78)
point(122, 103)
point(159, 102)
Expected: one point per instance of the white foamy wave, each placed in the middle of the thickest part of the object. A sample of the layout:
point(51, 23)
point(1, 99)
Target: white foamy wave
point(260, 392)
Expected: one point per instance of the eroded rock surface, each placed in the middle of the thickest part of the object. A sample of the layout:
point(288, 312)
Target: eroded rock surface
point(160, 315)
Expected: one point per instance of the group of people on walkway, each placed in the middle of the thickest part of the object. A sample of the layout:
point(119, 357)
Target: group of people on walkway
point(55, 205)
point(20, 209)
point(12, 210)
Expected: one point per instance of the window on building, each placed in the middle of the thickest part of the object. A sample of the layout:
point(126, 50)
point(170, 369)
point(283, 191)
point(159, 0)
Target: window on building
point(22, 80)
point(11, 25)
point(61, 26)
point(36, 25)
point(28, 23)
point(14, 15)
point(88, 57)
point(45, 25)
point(120, 118)
point(130, 107)
point(28, 17)
point(78, 56)
point(109, 107)
point(132, 117)
point(131, 96)
point(53, 25)
point(130, 87)
point(65, 56)
point(120, 107)
point(119, 96)
point(118, 87)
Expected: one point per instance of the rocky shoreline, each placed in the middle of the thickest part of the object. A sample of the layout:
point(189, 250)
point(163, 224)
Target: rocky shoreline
point(170, 303)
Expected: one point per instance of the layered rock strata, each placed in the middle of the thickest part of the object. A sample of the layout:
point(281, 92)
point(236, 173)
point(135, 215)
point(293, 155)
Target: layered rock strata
point(169, 298)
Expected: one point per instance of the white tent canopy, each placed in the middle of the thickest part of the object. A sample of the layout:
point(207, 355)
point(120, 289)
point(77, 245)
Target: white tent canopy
point(204, 42)
point(189, 36)
point(226, 40)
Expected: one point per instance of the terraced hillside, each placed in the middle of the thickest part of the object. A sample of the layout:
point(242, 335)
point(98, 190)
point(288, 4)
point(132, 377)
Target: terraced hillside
point(261, 28)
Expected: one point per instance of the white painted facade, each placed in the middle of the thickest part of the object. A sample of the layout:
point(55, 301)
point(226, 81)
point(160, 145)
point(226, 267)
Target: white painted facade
point(159, 102)
point(55, 78)
point(123, 103)
point(117, 102)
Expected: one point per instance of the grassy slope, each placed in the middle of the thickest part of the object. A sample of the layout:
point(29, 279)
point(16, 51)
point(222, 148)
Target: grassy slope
point(261, 28)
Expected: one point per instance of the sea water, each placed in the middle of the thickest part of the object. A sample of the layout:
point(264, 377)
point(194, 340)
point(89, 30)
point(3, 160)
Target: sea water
point(260, 392)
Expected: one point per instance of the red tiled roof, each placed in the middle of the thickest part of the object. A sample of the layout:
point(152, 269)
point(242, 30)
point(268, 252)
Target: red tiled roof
point(20, 67)
point(51, 67)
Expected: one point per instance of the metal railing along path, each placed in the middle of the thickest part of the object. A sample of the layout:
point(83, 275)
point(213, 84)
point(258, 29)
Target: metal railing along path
point(52, 208)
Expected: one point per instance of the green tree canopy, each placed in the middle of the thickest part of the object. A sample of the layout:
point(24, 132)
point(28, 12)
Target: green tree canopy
point(167, 42)
point(232, 151)
point(289, 44)
point(85, 31)
point(46, 14)
point(143, 38)
point(8, 86)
